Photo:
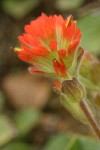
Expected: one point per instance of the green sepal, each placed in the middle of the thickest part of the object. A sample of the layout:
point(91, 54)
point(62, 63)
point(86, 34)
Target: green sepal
point(76, 61)
point(73, 108)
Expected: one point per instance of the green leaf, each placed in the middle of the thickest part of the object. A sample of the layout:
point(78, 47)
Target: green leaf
point(73, 144)
point(57, 142)
point(19, 8)
point(83, 143)
point(7, 130)
point(18, 146)
point(73, 108)
point(64, 141)
point(68, 4)
point(90, 28)
point(26, 119)
point(88, 144)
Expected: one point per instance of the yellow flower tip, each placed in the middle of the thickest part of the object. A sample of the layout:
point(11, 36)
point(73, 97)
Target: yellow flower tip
point(69, 20)
point(17, 49)
point(75, 23)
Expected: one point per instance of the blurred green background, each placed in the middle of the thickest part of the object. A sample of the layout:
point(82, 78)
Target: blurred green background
point(31, 116)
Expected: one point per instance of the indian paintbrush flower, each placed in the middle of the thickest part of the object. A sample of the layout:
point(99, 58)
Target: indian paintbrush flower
point(49, 45)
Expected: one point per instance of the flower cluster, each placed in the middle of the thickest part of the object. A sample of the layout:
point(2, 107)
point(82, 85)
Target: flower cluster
point(49, 44)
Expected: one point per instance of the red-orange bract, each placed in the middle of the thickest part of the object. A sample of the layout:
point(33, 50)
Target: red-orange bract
point(49, 44)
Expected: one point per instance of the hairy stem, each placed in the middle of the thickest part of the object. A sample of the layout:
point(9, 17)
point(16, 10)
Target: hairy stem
point(90, 118)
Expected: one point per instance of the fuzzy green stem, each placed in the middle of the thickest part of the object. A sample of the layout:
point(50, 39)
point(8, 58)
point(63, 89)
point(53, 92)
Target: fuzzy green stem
point(90, 118)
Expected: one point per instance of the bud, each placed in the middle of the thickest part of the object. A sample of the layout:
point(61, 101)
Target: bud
point(73, 90)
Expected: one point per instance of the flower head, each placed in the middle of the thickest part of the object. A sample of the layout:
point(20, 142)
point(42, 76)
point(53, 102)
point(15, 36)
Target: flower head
point(49, 44)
